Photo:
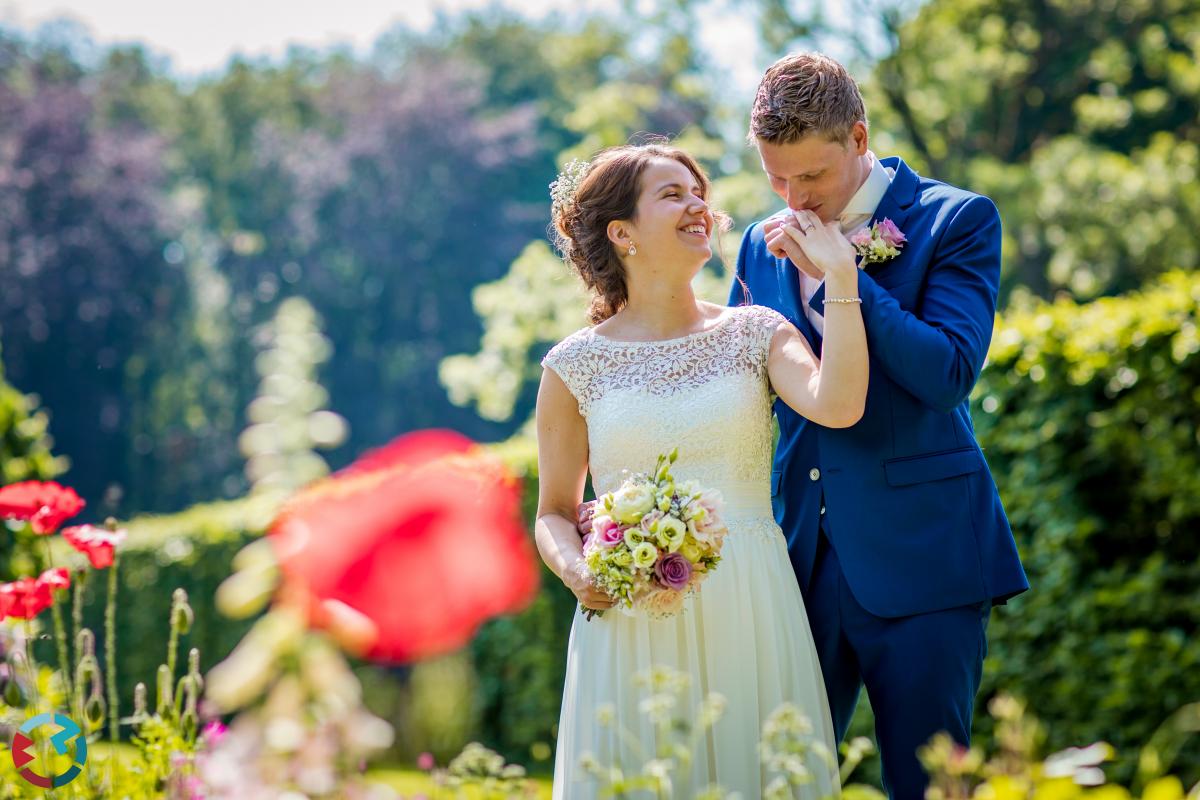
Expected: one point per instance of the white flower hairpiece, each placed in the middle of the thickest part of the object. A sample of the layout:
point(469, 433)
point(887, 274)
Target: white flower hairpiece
point(564, 187)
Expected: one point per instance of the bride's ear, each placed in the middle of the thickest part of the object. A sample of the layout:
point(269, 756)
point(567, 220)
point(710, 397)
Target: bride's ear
point(620, 234)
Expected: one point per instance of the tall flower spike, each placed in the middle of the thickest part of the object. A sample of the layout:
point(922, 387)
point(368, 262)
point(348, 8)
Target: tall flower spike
point(194, 669)
point(140, 714)
point(185, 707)
point(85, 642)
point(181, 612)
point(166, 694)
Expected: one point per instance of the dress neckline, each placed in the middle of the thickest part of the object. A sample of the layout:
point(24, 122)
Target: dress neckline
point(722, 320)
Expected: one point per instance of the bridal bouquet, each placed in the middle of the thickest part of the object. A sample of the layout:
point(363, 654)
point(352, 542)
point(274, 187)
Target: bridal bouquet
point(654, 540)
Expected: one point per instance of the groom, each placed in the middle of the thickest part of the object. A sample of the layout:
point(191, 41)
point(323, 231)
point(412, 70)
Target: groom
point(894, 526)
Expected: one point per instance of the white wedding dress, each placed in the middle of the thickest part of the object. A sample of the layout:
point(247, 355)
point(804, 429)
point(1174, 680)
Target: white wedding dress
point(744, 634)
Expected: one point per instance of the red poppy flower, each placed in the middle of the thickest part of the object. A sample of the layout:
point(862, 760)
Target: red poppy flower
point(46, 505)
point(415, 545)
point(57, 578)
point(25, 598)
point(96, 543)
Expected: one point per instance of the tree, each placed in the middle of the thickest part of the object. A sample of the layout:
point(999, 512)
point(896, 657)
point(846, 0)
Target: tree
point(1065, 113)
point(84, 288)
point(539, 301)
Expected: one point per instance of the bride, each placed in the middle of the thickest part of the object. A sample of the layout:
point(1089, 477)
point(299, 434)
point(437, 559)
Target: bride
point(660, 370)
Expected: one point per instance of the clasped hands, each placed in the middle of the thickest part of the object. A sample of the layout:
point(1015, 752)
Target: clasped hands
point(814, 247)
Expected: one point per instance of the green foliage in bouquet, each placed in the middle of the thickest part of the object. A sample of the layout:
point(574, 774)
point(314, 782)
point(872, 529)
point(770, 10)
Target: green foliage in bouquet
point(1087, 414)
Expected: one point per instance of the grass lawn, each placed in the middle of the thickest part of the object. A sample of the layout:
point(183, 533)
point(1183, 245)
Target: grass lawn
point(409, 782)
point(412, 782)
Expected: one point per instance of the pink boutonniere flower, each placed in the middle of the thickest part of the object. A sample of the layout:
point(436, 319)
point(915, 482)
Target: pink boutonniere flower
point(880, 242)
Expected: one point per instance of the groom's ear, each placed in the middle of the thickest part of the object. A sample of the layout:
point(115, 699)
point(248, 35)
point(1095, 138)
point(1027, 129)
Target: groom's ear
point(619, 233)
point(860, 137)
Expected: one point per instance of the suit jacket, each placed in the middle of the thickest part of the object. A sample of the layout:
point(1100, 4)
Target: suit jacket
point(908, 501)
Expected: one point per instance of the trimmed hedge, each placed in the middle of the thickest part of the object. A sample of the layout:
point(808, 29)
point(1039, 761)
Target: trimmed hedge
point(1089, 417)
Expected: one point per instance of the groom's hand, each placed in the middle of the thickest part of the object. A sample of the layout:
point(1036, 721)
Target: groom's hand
point(780, 245)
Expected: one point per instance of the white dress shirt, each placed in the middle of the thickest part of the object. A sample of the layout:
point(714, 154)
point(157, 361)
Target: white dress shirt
point(854, 217)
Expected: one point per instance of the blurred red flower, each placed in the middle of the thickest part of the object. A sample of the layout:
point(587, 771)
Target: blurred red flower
point(46, 505)
point(57, 578)
point(96, 543)
point(25, 598)
point(411, 548)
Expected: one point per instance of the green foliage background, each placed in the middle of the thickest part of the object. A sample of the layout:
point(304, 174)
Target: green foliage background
point(1088, 417)
point(151, 228)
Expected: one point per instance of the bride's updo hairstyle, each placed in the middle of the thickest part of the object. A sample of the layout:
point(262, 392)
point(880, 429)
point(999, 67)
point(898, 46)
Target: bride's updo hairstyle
point(589, 196)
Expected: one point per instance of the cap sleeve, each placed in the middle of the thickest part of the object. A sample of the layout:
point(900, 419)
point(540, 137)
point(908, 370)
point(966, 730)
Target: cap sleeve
point(765, 321)
point(567, 360)
point(762, 322)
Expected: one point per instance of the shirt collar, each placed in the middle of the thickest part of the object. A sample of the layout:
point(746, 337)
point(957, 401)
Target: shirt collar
point(866, 199)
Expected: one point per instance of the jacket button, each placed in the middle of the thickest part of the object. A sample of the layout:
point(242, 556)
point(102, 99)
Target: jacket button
point(822, 509)
point(814, 474)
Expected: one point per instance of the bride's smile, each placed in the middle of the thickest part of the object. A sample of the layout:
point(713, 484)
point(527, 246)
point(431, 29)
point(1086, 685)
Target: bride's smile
point(673, 223)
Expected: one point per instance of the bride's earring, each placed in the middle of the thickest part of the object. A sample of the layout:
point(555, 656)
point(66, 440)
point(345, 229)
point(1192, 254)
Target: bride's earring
point(632, 250)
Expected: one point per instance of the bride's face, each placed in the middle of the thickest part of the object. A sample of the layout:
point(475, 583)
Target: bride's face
point(673, 222)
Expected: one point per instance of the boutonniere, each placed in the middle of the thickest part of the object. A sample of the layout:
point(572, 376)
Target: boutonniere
point(878, 243)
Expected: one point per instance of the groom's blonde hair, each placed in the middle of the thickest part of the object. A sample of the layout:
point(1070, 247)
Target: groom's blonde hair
point(804, 94)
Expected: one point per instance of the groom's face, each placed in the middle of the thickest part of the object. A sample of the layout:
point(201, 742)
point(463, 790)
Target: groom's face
point(816, 174)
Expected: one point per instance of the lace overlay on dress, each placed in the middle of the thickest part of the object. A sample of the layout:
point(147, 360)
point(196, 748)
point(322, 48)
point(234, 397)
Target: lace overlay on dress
point(706, 393)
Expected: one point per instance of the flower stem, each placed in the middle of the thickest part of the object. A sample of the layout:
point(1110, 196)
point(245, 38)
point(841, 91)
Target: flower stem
point(77, 606)
point(110, 659)
point(172, 644)
point(31, 667)
point(60, 630)
point(34, 694)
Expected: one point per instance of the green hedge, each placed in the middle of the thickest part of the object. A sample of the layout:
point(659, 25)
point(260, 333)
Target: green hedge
point(520, 661)
point(1088, 415)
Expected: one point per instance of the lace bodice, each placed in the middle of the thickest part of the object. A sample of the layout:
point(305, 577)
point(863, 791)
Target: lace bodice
point(706, 393)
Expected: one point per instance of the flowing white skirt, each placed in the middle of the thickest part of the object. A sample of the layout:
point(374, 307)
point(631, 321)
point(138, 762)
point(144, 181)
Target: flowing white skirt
point(743, 635)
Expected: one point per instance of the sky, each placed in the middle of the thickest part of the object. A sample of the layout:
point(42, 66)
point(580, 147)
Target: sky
point(199, 37)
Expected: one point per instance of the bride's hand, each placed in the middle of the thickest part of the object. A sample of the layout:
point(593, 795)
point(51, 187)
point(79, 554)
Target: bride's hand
point(585, 512)
point(823, 243)
point(780, 245)
point(577, 578)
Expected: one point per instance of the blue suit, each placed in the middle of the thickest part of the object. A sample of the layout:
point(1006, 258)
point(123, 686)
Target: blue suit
point(894, 526)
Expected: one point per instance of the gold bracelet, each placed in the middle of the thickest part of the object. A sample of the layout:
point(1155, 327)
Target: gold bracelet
point(842, 300)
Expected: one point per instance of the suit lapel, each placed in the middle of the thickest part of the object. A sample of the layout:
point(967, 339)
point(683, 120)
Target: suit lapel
point(895, 205)
point(789, 292)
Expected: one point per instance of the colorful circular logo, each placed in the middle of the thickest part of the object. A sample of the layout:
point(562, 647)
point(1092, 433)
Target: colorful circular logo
point(23, 744)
